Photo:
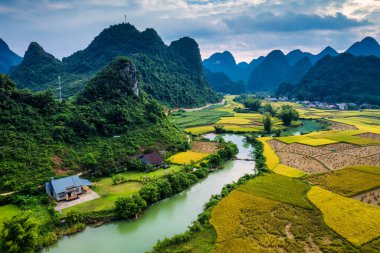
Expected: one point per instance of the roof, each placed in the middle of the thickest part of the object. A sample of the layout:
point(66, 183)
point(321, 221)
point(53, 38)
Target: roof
point(154, 158)
point(60, 185)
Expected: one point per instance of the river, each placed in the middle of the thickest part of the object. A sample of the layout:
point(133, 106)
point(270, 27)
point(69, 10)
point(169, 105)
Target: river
point(164, 219)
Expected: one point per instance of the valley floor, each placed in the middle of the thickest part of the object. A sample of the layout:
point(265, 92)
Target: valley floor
point(321, 195)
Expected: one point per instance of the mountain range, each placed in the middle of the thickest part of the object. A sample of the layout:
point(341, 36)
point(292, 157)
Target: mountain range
point(343, 78)
point(171, 74)
point(8, 58)
point(266, 73)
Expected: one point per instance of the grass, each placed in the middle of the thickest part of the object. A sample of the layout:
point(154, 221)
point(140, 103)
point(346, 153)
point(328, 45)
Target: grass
point(348, 181)
point(200, 130)
point(285, 170)
point(280, 188)
point(358, 222)
point(109, 192)
point(207, 116)
point(187, 157)
point(7, 212)
point(272, 159)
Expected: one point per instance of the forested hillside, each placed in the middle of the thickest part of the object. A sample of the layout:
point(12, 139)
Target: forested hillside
point(220, 82)
point(42, 137)
point(344, 78)
point(171, 74)
point(8, 58)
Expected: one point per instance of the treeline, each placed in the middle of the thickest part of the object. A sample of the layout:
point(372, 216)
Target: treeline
point(202, 223)
point(130, 207)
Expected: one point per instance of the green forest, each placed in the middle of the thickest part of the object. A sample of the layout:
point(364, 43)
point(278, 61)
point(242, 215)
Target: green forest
point(96, 132)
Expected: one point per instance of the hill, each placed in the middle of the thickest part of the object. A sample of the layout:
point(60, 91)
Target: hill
point(220, 82)
point(42, 137)
point(269, 73)
point(343, 78)
point(298, 70)
point(367, 47)
point(8, 58)
point(171, 74)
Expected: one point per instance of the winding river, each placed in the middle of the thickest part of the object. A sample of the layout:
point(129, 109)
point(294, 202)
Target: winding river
point(164, 219)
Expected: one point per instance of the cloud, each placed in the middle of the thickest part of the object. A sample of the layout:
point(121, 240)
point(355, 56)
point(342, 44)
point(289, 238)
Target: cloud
point(246, 27)
point(292, 22)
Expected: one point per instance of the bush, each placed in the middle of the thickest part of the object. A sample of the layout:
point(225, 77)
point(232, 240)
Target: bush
point(118, 179)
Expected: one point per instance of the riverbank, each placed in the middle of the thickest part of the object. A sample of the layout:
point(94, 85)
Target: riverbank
point(162, 219)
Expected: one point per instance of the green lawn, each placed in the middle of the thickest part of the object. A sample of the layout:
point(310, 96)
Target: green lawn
point(109, 192)
point(278, 187)
point(349, 181)
point(7, 212)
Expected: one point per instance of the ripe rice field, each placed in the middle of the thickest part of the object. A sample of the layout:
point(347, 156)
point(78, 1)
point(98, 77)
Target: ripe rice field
point(357, 222)
point(285, 170)
point(188, 157)
point(234, 120)
point(242, 129)
point(253, 219)
point(272, 159)
point(349, 181)
point(200, 130)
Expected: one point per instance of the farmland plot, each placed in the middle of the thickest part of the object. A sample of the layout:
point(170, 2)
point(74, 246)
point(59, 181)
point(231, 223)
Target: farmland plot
point(301, 162)
point(358, 222)
point(204, 147)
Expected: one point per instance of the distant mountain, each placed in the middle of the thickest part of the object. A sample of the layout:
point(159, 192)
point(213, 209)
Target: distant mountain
point(171, 74)
point(37, 69)
point(296, 55)
point(8, 58)
point(269, 73)
point(327, 51)
point(368, 46)
point(343, 78)
point(225, 62)
point(298, 70)
point(220, 82)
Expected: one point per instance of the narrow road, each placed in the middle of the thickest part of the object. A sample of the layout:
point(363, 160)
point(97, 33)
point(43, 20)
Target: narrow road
point(199, 108)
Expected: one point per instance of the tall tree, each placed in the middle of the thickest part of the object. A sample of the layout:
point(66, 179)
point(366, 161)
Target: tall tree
point(20, 234)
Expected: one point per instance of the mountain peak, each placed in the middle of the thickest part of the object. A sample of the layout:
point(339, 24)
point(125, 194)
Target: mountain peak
point(117, 80)
point(366, 47)
point(3, 45)
point(275, 54)
point(328, 51)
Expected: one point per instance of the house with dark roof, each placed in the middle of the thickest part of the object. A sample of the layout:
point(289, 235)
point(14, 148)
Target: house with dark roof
point(155, 158)
point(66, 188)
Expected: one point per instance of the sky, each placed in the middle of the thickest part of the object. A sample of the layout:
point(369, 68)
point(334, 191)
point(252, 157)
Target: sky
point(247, 28)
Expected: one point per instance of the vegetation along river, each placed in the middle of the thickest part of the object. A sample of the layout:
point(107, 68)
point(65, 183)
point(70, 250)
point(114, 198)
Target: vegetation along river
point(164, 219)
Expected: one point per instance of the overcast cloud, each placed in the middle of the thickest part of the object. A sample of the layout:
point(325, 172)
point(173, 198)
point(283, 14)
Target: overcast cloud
point(247, 28)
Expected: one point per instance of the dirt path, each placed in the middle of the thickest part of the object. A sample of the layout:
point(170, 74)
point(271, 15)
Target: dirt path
point(199, 108)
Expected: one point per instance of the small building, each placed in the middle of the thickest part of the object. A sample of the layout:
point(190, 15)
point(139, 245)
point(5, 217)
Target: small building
point(66, 188)
point(155, 158)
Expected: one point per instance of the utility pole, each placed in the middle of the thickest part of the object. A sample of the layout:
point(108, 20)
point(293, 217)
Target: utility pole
point(125, 18)
point(60, 88)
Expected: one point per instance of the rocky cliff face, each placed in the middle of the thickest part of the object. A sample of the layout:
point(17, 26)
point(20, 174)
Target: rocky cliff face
point(129, 74)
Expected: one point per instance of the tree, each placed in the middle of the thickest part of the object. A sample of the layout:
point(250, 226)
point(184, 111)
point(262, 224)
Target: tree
point(267, 121)
point(20, 234)
point(287, 114)
point(268, 108)
point(252, 104)
point(215, 160)
point(150, 193)
point(129, 207)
